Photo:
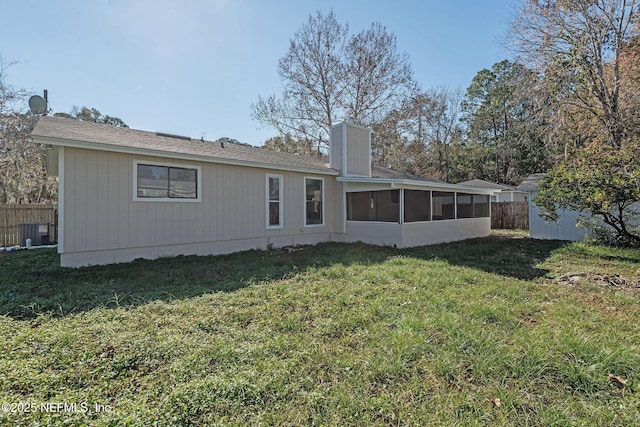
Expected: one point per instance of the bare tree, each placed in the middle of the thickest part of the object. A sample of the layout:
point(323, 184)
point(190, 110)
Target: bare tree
point(10, 97)
point(442, 129)
point(328, 76)
point(313, 76)
point(23, 178)
point(379, 76)
point(577, 46)
point(418, 137)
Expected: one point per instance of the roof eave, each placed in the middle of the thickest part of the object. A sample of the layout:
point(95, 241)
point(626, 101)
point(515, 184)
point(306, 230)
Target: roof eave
point(410, 183)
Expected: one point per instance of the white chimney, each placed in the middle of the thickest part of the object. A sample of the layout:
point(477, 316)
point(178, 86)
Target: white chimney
point(350, 150)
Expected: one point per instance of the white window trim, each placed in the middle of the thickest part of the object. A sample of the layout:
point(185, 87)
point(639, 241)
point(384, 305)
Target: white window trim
point(304, 202)
point(280, 201)
point(167, 199)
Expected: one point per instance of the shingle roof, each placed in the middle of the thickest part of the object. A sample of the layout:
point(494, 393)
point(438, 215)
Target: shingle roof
point(66, 130)
point(115, 138)
point(380, 172)
point(531, 183)
point(487, 184)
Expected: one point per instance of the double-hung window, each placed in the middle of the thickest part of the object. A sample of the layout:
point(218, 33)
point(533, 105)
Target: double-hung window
point(274, 205)
point(314, 196)
point(161, 182)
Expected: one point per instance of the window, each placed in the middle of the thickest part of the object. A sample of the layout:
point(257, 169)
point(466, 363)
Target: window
point(314, 195)
point(417, 205)
point(481, 206)
point(164, 182)
point(443, 205)
point(360, 206)
point(380, 206)
point(274, 201)
point(465, 205)
point(473, 205)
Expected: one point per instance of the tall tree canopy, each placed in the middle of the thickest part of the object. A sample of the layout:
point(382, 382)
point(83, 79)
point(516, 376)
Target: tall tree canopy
point(585, 53)
point(329, 76)
point(504, 124)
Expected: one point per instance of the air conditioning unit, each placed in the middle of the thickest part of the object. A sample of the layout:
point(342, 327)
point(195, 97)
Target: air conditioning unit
point(38, 232)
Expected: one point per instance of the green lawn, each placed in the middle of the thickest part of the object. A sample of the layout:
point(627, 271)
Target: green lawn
point(481, 332)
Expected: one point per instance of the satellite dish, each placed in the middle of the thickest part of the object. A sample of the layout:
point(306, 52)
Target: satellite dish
point(37, 104)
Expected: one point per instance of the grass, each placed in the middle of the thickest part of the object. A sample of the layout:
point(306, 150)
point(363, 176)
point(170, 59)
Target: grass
point(479, 332)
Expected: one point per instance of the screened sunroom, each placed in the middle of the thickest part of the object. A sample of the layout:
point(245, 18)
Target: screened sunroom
point(404, 213)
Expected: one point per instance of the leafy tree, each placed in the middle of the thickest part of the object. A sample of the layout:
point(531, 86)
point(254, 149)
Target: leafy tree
point(289, 145)
point(504, 124)
point(585, 53)
point(603, 182)
point(329, 76)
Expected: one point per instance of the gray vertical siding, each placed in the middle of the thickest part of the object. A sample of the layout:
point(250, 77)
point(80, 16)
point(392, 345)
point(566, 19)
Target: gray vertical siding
point(358, 151)
point(100, 213)
point(566, 228)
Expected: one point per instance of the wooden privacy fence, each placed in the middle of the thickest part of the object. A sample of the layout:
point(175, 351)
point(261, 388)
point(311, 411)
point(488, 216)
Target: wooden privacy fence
point(509, 215)
point(11, 216)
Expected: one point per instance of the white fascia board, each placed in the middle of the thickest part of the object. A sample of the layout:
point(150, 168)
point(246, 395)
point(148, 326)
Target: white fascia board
point(419, 185)
point(442, 186)
point(367, 179)
point(343, 167)
point(174, 155)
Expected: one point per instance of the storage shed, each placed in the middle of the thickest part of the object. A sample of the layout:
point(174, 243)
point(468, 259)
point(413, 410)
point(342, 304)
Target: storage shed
point(566, 228)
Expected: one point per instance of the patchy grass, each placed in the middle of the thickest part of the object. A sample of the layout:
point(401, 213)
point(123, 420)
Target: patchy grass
point(480, 332)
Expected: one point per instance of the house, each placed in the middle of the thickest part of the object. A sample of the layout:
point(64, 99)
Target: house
point(126, 194)
point(566, 228)
point(507, 193)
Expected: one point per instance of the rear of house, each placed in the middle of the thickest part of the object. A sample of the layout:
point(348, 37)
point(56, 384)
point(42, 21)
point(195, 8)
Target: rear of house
point(126, 194)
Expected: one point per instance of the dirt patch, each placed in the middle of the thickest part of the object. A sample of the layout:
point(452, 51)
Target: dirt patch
point(587, 292)
point(611, 280)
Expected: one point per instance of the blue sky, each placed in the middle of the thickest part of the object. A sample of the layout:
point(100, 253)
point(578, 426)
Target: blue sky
point(193, 67)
